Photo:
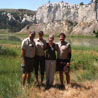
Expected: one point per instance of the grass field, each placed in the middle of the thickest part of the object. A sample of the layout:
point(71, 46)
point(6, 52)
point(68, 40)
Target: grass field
point(84, 66)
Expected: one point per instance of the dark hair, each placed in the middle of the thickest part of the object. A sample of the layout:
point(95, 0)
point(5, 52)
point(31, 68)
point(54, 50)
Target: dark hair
point(41, 32)
point(32, 32)
point(62, 35)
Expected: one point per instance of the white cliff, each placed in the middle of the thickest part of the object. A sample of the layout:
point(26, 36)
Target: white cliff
point(64, 11)
point(68, 18)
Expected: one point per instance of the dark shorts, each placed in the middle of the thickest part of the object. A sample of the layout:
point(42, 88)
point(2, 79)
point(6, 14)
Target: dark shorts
point(39, 61)
point(60, 64)
point(28, 67)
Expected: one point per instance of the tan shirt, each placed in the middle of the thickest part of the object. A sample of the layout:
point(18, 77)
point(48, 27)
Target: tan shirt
point(40, 47)
point(29, 47)
point(63, 50)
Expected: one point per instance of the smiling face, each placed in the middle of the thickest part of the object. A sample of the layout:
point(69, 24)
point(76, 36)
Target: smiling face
point(61, 38)
point(31, 36)
point(40, 36)
point(51, 39)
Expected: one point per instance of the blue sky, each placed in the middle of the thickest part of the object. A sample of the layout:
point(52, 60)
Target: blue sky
point(33, 4)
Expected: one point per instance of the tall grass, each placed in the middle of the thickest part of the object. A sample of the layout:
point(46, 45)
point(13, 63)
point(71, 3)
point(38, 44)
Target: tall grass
point(87, 48)
point(83, 58)
point(7, 52)
point(10, 73)
point(87, 61)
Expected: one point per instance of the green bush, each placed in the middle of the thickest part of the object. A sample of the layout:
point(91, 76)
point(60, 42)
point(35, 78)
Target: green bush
point(7, 52)
point(96, 33)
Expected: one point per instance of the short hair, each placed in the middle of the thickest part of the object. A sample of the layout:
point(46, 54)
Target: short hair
point(51, 37)
point(41, 32)
point(62, 35)
point(32, 32)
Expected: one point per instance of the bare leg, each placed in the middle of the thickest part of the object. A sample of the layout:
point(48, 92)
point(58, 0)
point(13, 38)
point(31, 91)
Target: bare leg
point(68, 77)
point(36, 76)
point(23, 80)
point(28, 77)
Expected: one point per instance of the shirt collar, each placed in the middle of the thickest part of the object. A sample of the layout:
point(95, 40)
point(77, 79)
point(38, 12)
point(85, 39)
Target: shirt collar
point(39, 40)
point(64, 43)
point(30, 40)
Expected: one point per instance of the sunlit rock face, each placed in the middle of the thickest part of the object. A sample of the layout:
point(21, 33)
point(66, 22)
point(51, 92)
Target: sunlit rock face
point(64, 11)
point(68, 18)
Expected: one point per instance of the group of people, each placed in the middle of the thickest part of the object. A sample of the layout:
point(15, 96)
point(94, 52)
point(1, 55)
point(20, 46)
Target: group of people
point(46, 56)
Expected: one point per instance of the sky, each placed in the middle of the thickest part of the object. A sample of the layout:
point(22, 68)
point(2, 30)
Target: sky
point(33, 4)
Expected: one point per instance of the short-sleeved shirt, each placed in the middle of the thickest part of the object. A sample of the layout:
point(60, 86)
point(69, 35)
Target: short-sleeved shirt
point(63, 50)
point(40, 45)
point(29, 47)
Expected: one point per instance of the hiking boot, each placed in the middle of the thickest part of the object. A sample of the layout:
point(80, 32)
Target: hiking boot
point(62, 87)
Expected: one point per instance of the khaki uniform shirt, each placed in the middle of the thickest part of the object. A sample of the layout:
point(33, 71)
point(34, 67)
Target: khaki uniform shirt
point(63, 50)
point(40, 46)
point(29, 47)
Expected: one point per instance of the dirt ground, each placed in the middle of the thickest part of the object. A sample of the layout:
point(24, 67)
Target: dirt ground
point(88, 89)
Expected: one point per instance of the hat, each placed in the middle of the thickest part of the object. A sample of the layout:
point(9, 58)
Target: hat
point(51, 37)
point(41, 32)
point(32, 32)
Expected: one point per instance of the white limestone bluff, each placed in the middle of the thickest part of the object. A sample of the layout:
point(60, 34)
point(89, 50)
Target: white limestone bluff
point(68, 18)
point(64, 11)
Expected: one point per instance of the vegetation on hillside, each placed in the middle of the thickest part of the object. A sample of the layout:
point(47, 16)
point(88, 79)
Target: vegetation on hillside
point(96, 33)
point(15, 24)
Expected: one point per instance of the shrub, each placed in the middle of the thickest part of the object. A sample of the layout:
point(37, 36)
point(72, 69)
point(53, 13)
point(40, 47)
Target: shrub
point(96, 33)
point(7, 52)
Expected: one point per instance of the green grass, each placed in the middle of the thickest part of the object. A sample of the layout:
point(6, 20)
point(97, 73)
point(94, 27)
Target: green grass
point(78, 36)
point(9, 42)
point(7, 52)
point(87, 61)
point(10, 72)
point(94, 48)
point(57, 35)
point(84, 66)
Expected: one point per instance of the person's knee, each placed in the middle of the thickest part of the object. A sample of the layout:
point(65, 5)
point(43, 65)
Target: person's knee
point(67, 73)
point(29, 73)
point(42, 69)
point(36, 71)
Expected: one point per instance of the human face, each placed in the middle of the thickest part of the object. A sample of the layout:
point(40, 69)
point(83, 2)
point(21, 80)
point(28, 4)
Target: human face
point(61, 38)
point(40, 36)
point(50, 41)
point(31, 36)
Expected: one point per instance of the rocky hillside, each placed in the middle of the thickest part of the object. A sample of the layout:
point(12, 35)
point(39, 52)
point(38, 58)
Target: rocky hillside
point(14, 20)
point(64, 11)
point(68, 18)
point(81, 19)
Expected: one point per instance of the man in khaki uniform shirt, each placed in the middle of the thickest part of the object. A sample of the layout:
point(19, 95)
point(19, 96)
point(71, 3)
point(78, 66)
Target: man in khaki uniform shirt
point(28, 53)
point(64, 56)
point(40, 56)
